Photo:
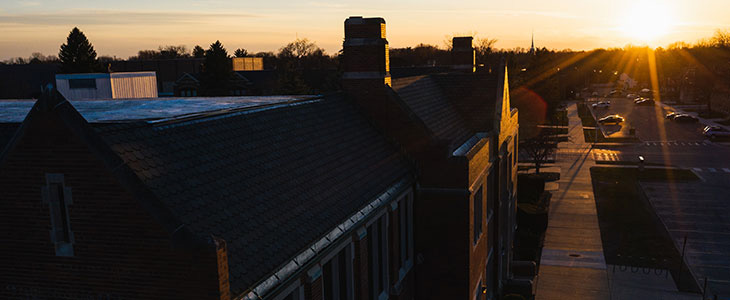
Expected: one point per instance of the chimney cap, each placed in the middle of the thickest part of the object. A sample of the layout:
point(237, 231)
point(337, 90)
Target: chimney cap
point(358, 20)
point(462, 42)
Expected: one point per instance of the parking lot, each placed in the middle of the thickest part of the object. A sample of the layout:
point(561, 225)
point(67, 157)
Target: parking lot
point(648, 121)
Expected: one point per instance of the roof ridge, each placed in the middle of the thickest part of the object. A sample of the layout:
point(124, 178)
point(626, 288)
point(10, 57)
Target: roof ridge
point(198, 117)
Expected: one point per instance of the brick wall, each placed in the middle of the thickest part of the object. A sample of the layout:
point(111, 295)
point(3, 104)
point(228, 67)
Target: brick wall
point(442, 234)
point(120, 252)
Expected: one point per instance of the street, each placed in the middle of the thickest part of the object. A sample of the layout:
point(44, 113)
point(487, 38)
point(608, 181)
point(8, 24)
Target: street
point(649, 122)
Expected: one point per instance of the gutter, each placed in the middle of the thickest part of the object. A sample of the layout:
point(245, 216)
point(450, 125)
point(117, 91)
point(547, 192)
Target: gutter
point(306, 257)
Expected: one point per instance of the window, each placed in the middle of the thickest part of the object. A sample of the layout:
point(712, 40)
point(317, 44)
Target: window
point(405, 212)
point(491, 277)
point(478, 209)
point(478, 293)
point(515, 151)
point(378, 257)
point(293, 292)
point(295, 295)
point(491, 194)
point(82, 83)
point(58, 198)
point(337, 276)
point(188, 93)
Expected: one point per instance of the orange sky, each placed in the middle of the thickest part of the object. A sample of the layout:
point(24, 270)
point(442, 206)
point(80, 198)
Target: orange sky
point(121, 28)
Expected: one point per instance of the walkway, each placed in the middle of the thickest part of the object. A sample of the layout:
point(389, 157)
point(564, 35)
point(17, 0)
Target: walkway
point(572, 264)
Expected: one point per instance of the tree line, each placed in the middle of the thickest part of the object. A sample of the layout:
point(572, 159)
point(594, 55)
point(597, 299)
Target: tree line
point(303, 67)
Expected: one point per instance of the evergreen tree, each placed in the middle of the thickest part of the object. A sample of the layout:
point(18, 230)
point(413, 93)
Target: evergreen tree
point(217, 70)
point(240, 52)
point(77, 55)
point(198, 52)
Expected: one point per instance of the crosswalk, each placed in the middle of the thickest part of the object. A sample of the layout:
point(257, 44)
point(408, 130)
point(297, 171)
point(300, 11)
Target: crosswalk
point(606, 155)
point(711, 170)
point(676, 143)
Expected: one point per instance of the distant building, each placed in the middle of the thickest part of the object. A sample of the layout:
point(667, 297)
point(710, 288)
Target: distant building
point(119, 85)
point(26, 81)
point(167, 70)
point(626, 82)
point(248, 63)
point(241, 83)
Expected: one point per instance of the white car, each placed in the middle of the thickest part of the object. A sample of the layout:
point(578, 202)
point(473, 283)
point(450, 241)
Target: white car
point(602, 104)
point(611, 119)
point(713, 132)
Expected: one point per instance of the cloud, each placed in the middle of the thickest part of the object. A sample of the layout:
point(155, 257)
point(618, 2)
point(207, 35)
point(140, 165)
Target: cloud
point(326, 5)
point(109, 17)
point(29, 3)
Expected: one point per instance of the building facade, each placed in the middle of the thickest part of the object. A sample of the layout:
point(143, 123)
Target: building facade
point(462, 133)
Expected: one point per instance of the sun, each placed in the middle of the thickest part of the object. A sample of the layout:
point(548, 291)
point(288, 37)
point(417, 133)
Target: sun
point(646, 21)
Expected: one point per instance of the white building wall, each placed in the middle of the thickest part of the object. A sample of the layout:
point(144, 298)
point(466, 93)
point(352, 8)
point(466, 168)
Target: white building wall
point(102, 90)
point(134, 85)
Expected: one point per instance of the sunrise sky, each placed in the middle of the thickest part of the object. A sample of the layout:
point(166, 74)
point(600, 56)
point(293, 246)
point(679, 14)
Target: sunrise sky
point(120, 28)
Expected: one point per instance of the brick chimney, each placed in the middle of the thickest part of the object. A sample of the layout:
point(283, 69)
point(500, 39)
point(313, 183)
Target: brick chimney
point(366, 62)
point(462, 54)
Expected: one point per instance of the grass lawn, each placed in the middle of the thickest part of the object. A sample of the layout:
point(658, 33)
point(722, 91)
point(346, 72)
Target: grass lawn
point(630, 231)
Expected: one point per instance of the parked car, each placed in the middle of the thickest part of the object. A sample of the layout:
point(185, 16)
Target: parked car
point(594, 94)
point(611, 119)
point(602, 104)
point(671, 115)
point(713, 132)
point(638, 99)
point(684, 118)
point(631, 96)
point(645, 102)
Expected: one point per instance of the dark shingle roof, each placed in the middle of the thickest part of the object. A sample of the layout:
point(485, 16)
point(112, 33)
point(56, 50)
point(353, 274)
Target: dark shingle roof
point(269, 182)
point(7, 131)
point(454, 106)
point(474, 96)
point(430, 104)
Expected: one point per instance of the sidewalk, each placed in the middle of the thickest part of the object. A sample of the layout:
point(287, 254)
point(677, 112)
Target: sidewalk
point(572, 264)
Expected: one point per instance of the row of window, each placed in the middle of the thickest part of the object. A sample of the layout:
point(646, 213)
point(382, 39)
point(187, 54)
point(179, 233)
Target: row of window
point(188, 93)
point(338, 276)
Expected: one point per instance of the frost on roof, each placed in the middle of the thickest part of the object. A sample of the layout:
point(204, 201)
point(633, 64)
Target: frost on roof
point(12, 111)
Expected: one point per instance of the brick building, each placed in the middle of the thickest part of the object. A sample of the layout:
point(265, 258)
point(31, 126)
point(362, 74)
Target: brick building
point(461, 132)
point(393, 189)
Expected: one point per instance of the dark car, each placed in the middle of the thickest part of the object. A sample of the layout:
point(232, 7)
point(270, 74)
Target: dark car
point(671, 115)
point(682, 118)
point(715, 132)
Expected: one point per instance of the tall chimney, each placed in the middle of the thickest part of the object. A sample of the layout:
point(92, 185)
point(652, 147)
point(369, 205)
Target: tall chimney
point(462, 54)
point(366, 62)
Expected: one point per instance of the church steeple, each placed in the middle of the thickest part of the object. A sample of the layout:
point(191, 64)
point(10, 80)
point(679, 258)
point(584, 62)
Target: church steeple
point(532, 48)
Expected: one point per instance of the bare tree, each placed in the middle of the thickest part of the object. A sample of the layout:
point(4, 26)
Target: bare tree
point(721, 38)
point(540, 147)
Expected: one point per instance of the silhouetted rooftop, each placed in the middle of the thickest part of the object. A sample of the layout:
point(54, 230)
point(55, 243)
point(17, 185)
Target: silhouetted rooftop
point(147, 109)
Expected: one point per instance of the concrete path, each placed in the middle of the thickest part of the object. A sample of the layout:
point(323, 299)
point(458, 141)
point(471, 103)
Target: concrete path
point(572, 264)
